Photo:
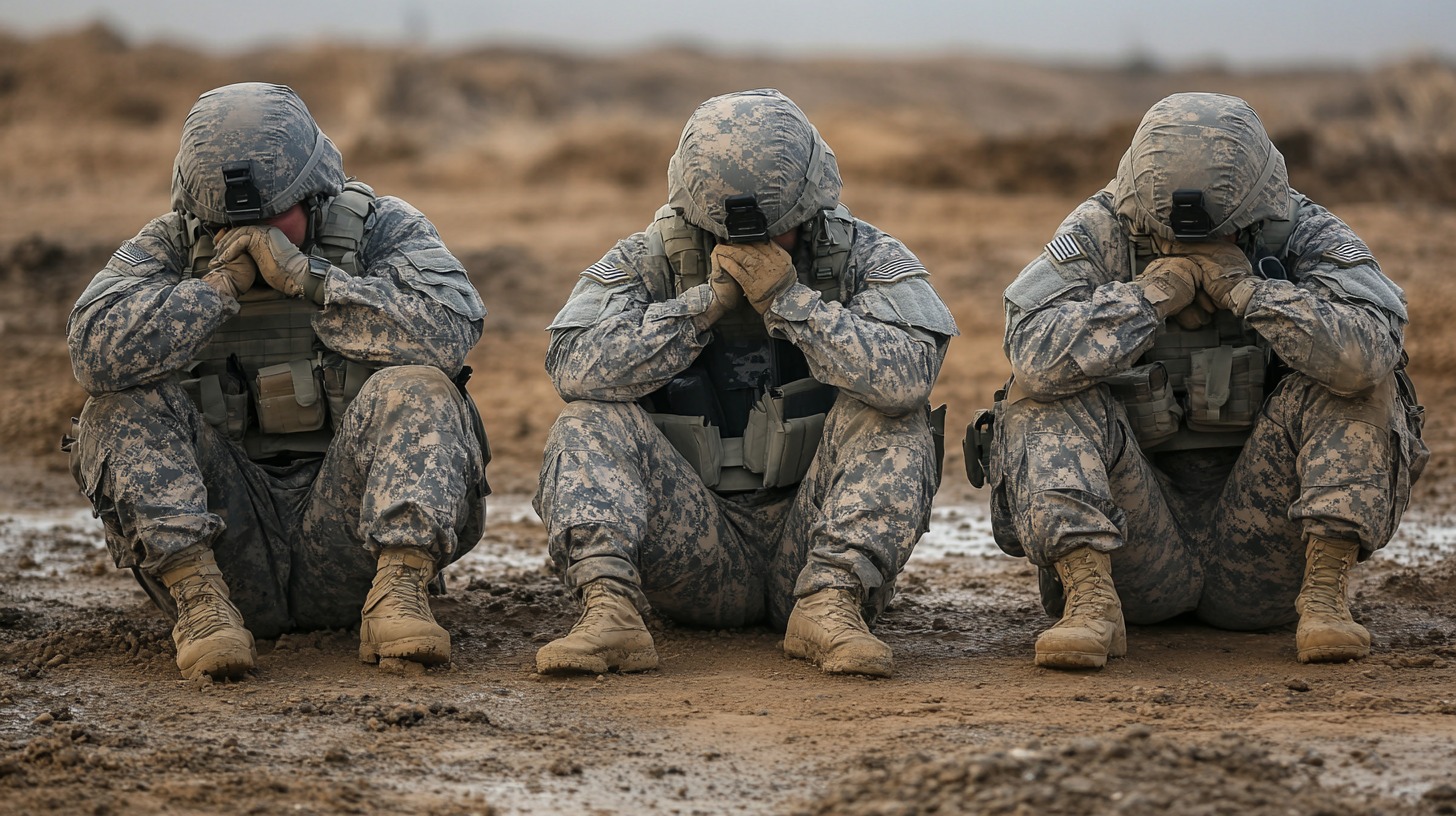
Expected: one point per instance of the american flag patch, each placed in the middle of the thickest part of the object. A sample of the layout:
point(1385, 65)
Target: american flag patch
point(604, 273)
point(1065, 248)
point(131, 255)
point(1349, 254)
point(897, 270)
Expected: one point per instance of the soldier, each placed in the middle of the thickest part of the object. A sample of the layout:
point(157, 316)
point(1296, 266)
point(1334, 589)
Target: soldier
point(1208, 410)
point(748, 436)
point(278, 434)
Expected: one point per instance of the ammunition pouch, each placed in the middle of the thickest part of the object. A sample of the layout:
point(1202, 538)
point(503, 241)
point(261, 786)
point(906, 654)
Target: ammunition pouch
point(222, 398)
point(1225, 388)
point(342, 381)
point(778, 444)
point(1147, 397)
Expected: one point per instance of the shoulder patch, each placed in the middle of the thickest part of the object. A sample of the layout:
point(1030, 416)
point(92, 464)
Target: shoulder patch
point(1349, 253)
point(132, 255)
point(604, 273)
point(897, 270)
point(1064, 248)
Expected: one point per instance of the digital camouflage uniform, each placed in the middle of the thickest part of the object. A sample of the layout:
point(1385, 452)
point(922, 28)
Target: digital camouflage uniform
point(295, 533)
point(1211, 522)
point(621, 502)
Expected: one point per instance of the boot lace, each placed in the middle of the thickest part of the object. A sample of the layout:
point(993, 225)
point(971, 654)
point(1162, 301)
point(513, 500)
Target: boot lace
point(406, 587)
point(1326, 596)
point(202, 610)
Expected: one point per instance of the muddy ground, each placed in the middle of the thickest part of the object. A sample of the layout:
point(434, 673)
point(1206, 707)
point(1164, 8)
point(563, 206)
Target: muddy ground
point(531, 163)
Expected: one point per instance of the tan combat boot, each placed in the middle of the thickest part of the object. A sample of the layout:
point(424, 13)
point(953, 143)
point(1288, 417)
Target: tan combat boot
point(827, 629)
point(210, 636)
point(608, 635)
point(397, 622)
point(1327, 633)
point(1091, 628)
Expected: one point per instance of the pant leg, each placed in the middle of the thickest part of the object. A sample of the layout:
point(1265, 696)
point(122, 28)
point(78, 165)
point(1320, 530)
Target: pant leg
point(1070, 475)
point(1316, 463)
point(863, 505)
point(161, 479)
point(619, 502)
point(404, 470)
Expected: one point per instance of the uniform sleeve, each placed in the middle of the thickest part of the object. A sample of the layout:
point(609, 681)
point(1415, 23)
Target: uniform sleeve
point(1072, 317)
point(142, 318)
point(1340, 321)
point(411, 303)
point(886, 347)
point(611, 342)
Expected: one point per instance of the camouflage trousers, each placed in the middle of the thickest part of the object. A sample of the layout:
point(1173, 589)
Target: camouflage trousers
point(620, 502)
point(297, 543)
point(1219, 532)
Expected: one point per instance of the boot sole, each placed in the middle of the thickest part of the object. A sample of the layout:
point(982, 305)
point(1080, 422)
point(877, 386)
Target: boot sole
point(595, 664)
point(429, 651)
point(1332, 654)
point(1071, 660)
point(222, 665)
point(806, 650)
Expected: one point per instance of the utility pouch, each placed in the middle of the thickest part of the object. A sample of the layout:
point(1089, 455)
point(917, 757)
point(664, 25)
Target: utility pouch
point(223, 401)
point(977, 446)
point(1416, 452)
point(1225, 388)
point(342, 381)
point(936, 418)
point(697, 441)
point(289, 399)
point(1147, 397)
point(782, 435)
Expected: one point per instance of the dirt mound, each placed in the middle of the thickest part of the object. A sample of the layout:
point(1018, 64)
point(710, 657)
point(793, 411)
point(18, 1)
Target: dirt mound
point(1134, 773)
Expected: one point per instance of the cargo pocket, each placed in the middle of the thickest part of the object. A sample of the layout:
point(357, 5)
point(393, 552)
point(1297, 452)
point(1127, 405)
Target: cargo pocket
point(288, 398)
point(1225, 388)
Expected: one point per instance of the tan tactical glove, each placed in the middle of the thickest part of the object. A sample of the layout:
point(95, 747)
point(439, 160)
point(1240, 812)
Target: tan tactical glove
point(1169, 283)
point(1197, 314)
point(232, 278)
point(762, 270)
point(1224, 272)
point(727, 294)
point(281, 264)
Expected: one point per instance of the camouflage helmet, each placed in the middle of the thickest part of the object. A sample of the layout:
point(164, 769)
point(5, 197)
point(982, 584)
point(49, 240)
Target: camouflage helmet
point(251, 136)
point(1200, 166)
point(752, 143)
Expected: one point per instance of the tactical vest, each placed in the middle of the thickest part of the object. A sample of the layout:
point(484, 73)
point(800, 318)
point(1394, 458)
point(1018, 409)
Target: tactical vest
point(1203, 388)
point(746, 414)
point(265, 379)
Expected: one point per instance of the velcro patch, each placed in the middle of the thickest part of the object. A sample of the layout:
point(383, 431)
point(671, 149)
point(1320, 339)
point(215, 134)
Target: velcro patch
point(131, 254)
point(1349, 254)
point(1065, 248)
point(897, 270)
point(604, 273)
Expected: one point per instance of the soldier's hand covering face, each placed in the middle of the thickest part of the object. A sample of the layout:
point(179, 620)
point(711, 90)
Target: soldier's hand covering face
point(1224, 272)
point(1169, 283)
point(281, 264)
point(233, 277)
point(763, 270)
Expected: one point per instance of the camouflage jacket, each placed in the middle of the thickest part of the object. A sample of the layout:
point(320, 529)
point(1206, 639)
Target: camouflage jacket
point(616, 340)
point(1073, 316)
point(145, 317)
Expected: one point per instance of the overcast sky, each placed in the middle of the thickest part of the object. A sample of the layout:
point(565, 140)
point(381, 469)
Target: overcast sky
point(1259, 33)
